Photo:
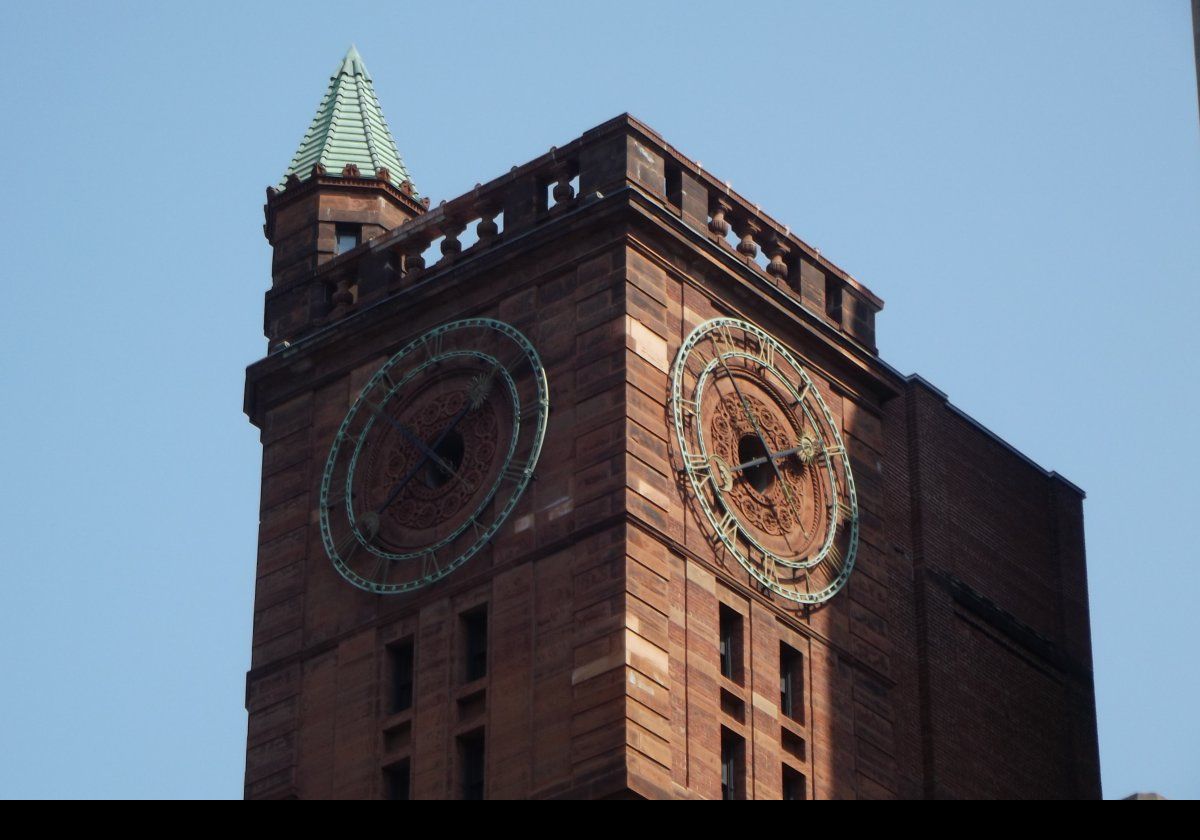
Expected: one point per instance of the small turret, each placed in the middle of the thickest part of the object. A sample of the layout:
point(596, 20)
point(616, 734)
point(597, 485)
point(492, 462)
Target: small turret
point(346, 183)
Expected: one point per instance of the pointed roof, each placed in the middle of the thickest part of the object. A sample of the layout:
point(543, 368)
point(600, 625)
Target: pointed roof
point(349, 128)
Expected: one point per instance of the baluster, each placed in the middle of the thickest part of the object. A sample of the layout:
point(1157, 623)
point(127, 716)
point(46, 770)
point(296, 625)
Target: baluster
point(342, 296)
point(778, 249)
point(414, 261)
point(451, 247)
point(487, 229)
point(717, 224)
point(563, 191)
point(747, 229)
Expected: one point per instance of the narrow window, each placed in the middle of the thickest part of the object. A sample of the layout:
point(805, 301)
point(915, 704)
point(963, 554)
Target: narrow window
point(730, 629)
point(396, 781)
point(791, 682)
point(348, 237)
point(400, 661)
point(733, 766)
point(470, 757)
point(793, 785)
point(475, 640)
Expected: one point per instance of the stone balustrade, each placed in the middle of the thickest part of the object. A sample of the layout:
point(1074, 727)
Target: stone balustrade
point(619, 154)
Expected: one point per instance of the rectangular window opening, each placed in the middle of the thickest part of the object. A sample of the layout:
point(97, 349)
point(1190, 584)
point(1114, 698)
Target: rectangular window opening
point(733, 766)
point(397, 780)
point(348, 237)
point(471, 765)
point(731, 644)
point(791, 682)
point(400, 663)
point(475, 644)
point(793, 785)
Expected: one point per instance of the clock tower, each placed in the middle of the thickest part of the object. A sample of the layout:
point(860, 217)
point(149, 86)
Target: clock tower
point(591, 482)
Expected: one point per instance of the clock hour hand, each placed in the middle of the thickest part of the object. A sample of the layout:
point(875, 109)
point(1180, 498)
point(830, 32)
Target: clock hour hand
point(806, 450)
point(412, 438)
point(476, 397)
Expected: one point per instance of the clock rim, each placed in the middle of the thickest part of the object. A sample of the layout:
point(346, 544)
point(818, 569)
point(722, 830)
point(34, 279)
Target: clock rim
point(541, 405)
point(699, 333)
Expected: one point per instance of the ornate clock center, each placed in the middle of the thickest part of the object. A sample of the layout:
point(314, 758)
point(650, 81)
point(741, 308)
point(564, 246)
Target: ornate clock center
point(448, 478)
point(433, 455)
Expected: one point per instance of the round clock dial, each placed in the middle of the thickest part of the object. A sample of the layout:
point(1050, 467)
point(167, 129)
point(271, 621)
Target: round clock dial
point(765, 460)
point(433, 455)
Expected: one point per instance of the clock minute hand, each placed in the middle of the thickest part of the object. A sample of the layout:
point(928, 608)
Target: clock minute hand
point(750, 416)
point(754, 462)
point(403, 482)
point(441, 463)
point(476, 398)
point(805, 449)
point(787, 491)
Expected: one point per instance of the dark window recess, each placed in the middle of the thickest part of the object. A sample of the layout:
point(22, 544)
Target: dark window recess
point(791, 682)
point(470, 757)
point(400, 659)
point(793, 785)
point(396, 781)
point(475, 640)
point(733, 766)
point(731, 644)
point(833, 298)
point(348, 237)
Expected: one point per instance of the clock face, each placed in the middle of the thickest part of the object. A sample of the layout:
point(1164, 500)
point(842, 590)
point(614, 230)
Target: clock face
point(433, 455)
point(765, 461)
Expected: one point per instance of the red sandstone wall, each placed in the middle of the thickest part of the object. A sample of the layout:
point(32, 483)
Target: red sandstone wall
point(954, 663)
point(1000, 616)
point(553, 705)
point(844, 745)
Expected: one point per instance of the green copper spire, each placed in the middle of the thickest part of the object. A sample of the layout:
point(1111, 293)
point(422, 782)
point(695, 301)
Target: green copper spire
point(349, 128)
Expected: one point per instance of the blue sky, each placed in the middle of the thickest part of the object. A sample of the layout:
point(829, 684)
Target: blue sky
point(1018, 181)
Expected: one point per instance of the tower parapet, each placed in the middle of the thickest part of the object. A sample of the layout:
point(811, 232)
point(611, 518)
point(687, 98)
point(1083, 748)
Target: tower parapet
point(621, 160)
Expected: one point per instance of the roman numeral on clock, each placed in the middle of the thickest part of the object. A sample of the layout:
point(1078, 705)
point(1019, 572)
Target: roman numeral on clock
point(433, 345)
point(766, 354)
point(516, 470)
point(382, 569)
point(429, 564)
point(727, 527)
